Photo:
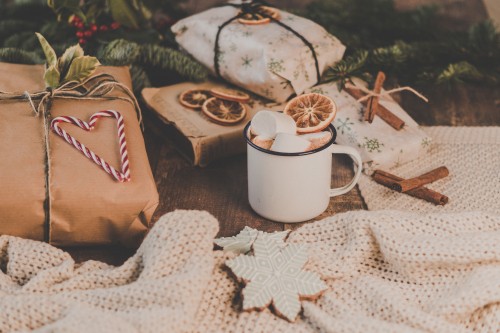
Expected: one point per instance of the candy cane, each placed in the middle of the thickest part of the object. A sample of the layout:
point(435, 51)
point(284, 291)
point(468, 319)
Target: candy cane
point(122, 176)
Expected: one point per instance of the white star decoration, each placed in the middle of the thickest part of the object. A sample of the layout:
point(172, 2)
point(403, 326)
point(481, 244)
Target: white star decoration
point(242, 242)
point(275, 275)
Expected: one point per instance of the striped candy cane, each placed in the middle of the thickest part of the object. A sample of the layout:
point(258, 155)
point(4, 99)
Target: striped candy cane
point(122, 176)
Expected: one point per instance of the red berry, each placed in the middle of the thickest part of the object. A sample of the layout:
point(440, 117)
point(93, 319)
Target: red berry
point(103, 28)
point(88, 33)
point(82, 41)
point(93, 27)
point(115, 25)
point(79, 25)
point(79, 34)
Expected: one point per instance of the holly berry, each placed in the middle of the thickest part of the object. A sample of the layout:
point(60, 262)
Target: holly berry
point(93, 28)
point(115, 25)
point(79, 34)
point(74, 20)
point(79, 25)
point(82, 41)
point(103, 28)
point(88, 33)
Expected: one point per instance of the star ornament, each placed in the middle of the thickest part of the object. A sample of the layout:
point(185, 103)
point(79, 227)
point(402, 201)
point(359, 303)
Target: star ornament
point(275, 276)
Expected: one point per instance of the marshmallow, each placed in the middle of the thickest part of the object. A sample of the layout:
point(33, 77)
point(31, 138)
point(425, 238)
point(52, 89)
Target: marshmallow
point(290, 143)
point(317, 139)
point(268, 124)
point(262, 142)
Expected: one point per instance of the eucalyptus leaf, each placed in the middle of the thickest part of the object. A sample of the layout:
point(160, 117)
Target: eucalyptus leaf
point(65, 60)
point(81, 68)
point(49, 52)
point(51, 77)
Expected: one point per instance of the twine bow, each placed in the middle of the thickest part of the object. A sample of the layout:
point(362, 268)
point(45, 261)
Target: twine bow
point(97, 87)
point(385, 93)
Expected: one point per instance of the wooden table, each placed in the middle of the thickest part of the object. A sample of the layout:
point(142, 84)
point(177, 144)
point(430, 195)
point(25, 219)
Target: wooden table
point(221, 188)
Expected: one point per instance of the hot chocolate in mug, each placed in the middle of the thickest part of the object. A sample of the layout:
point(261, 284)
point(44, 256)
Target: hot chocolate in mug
point(294, 187)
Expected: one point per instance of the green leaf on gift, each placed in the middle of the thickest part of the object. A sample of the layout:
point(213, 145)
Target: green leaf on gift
point(49, 52)
point(81, 68)
point(52, 77)
point(64, 62)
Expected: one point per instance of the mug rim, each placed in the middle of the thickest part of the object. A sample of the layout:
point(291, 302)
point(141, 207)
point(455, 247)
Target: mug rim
point(303, 153)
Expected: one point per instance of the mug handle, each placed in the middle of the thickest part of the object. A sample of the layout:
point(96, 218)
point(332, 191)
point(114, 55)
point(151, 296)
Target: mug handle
point(353, 153)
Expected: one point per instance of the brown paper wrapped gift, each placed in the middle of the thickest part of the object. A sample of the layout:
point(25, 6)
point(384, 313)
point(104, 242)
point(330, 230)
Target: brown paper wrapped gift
point(195, 136)
point(58, 195)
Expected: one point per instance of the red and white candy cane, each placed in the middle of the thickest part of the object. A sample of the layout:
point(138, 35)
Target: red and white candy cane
point(122, 176)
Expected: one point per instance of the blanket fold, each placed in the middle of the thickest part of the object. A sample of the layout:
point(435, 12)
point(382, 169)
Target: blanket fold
point(387, 271)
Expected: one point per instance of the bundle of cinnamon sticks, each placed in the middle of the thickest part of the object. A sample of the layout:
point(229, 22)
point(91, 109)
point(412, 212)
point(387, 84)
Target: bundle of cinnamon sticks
point(415, 186)
point(372, 104)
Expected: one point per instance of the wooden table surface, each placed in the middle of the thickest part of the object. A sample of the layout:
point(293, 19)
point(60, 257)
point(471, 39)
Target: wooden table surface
point(221, 188)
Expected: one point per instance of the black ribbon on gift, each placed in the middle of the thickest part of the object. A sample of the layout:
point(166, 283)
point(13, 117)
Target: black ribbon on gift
point(252, 8)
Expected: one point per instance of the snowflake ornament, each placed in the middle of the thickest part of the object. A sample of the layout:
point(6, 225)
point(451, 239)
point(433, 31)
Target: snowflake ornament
point(242, 242)
point(275, 276)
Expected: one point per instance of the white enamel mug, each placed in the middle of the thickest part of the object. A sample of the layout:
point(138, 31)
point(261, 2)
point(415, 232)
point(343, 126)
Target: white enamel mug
point(294, 187)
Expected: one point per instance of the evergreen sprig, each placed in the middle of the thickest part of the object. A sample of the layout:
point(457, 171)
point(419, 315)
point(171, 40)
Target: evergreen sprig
point(410, 45)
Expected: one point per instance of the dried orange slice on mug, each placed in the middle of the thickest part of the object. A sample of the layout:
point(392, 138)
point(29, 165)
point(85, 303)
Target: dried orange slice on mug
point(230, 95)
point(260, 16)
point(194, 98)
point(311, 112)
point(224, 112)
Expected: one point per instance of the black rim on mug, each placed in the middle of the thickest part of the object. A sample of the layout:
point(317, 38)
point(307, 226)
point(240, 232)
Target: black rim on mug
point(330, 127)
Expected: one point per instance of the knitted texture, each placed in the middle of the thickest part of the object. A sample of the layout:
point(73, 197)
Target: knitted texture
point(386, 271)
point(472, 155)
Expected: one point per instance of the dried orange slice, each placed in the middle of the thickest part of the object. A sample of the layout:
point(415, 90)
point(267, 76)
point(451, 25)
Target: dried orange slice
point(230, 95)
point(224, 112)
point(258, 18)
point(311, 112)
point(194, 98)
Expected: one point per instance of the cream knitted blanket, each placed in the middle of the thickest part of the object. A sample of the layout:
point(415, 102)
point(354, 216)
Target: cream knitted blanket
point(386, 272)
point(472, 154)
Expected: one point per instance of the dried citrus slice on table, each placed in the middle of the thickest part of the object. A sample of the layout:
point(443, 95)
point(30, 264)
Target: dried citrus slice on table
point(311, 112)
point(260, 16)
point(230, 94)
point(194, 98)
point(224, 112)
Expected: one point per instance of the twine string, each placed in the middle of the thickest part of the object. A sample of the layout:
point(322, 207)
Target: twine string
point(385, 93)
point(97, 87)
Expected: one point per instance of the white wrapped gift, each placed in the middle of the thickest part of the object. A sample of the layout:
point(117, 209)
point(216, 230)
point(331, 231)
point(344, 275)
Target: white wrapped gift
point(380, 145)
point(267, 59)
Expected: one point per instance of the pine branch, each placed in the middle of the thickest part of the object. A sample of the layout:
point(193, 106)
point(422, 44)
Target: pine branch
point(119, 52)
point(140, 79)
point(459, 72)
point(19, 56)
point(167, 59)
point(344, 70)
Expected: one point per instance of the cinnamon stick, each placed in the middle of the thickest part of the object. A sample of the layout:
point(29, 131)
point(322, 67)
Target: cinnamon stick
point(372, 103)
point(384, 114)
point(424, 193)
point(427, 178)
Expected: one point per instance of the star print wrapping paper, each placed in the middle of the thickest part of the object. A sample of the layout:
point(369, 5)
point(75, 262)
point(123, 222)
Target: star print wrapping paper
point(380, 145)
point(266, 59)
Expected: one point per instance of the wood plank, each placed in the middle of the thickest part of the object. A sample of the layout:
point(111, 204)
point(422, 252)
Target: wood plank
point(455, 105)
point(220, 189)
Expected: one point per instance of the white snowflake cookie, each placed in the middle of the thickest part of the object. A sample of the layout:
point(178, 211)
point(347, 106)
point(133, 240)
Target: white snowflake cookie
point(274, 276)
